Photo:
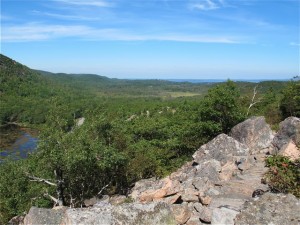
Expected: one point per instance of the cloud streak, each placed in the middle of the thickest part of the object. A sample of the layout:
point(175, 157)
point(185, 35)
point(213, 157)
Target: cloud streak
point(65, 16)
point(206, 5)
point(39, 32)
point(95, 3)
point(294, 44)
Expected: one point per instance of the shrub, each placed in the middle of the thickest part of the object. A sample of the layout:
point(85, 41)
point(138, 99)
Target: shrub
point(283, 175)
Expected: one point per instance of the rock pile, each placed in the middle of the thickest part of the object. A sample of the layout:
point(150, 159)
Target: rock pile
point(216, 187)
point(223, 175)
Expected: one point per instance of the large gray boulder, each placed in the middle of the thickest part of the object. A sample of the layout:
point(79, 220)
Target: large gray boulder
point(126, 214)
point(253, 132)
point(143, 214)
point(223, 149)
point(275, 209)
point(101, 213)
point(289, 130)
point(221, 158)
point(44, 216)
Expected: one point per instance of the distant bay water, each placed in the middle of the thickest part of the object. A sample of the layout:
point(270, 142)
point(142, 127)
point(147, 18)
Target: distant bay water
point(195, 81)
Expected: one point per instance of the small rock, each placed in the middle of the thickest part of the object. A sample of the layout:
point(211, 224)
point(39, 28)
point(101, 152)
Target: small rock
point(80, 121)
point(158, 190)
point(227, 171)
point(212, 192)
point(204, 212)
point(170, 199)
point(205, 200)
point(210, 169)
point(181, 213)
point(224, 216)
point(190, 195)
point(290, 150)
point(117, 199)
point(257, 193)
point(202, 184)
point(91, 201)
point(194, 220)
point(243, 164)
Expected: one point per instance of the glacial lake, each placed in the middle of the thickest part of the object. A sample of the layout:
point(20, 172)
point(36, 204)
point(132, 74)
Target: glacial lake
point(16, 142)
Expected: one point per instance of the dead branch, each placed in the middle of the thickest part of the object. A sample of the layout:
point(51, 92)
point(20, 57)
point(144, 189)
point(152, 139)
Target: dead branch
point(38, 179)
point(252, 101)
point(103, 188)
point(55, 200)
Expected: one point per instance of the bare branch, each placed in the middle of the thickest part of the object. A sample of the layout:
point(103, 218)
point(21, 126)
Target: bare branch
point(252, 101)
point(103, 188)
point(55, 200)
point(38, 179)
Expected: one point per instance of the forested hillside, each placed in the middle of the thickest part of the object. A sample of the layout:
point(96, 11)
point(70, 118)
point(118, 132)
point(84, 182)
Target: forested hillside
point(27, 96)
point(132, 129)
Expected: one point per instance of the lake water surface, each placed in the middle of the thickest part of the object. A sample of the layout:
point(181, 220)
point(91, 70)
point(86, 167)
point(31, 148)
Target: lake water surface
point(16, 142)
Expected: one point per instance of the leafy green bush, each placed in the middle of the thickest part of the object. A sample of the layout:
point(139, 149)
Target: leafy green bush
point(290, 103)
point(283, 175)
point(221, 107)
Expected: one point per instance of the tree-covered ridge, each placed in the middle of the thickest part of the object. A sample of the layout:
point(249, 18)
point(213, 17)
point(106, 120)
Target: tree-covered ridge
point(104, 86)
point(18, 79)
point(27, 96)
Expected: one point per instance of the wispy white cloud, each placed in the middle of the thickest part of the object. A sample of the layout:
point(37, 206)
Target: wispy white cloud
point(294, 44)
point(222, 2)
point(196, 38)
point(5, 17)
point(65, 16)
point(206, 5)
point(95, 3)
point(36, 32)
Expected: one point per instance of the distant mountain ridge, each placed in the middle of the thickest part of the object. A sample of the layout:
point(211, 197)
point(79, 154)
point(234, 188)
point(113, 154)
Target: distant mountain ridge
point(47, 73)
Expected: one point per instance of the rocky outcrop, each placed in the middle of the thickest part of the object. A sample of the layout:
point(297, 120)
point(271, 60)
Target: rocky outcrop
point(271, 209)
point(289, 130)
point(105, 213)
point(221, 177)
point(224, 174)
point(216, 187)
point(255, 133)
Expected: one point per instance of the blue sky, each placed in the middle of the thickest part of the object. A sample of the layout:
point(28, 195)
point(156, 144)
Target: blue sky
point(160, 39)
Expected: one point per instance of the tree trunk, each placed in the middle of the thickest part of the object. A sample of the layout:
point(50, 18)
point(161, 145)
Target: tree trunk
point(60, 186)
